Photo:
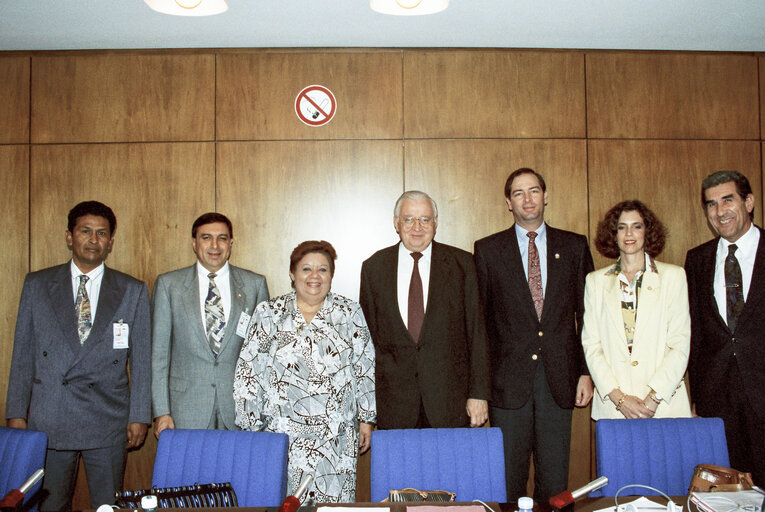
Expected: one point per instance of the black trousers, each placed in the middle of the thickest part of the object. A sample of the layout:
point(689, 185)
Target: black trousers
point(542, 428)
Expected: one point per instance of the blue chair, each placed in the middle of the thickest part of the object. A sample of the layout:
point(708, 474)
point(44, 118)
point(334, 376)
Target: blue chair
point(22, 452)
point(254, 462)
point(467, 461)
point(661, 452)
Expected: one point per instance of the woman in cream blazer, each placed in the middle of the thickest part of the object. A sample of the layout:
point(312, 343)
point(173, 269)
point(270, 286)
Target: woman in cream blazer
point(636, 333)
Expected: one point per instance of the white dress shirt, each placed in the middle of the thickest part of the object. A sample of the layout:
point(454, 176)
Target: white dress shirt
point(92, 286)
point(222, 281)
point(541, 243)
point(405, 267)
point(745, 254)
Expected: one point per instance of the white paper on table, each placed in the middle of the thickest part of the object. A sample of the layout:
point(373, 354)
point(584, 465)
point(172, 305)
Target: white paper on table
point(642, 504)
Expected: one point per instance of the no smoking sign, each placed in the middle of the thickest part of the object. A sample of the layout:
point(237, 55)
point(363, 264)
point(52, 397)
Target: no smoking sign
point(315, 105)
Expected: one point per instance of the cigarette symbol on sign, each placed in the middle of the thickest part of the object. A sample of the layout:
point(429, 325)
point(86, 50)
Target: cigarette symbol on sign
point(315, 105)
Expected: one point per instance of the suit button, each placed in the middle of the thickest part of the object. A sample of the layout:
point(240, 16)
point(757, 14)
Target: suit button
point(216, 363)
point(213, 384)
point(540, 334)
point(417, 348)
point(64, 382)
point(734, 340)
point(45, 354)
point(634, 363)
point(116, 361)
point(534, 357)
point(91, 385)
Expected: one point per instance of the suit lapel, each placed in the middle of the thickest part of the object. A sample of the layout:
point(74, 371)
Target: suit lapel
point(62, 302)
point(109, 298)
point(437, 287)
point(648, 303)
point(192, 307)
point(707, 280)
point(511, 259)
point(238, 300)
point(757, 286)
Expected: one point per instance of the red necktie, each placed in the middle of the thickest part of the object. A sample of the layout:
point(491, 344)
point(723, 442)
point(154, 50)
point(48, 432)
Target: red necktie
point(535, 275)
point(416, 310)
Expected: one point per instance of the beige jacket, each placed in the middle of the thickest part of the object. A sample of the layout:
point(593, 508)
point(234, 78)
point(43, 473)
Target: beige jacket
point(660, 349)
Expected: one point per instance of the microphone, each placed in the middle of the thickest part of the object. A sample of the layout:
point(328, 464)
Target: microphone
point(15, 497)
point(292, 503)
point(567, 498)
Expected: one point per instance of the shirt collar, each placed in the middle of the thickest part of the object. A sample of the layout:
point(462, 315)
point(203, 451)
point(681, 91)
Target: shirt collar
point(520, 233)
point(93, 274)
point(746, 244)
point(650, 266)
point(202, 272)
point(403, 251)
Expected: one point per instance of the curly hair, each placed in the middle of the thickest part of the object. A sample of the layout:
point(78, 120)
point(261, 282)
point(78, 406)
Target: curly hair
point(309, 246)
point(655, 232)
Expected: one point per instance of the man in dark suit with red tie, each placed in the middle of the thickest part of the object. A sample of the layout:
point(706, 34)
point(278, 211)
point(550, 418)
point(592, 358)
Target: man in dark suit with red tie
point(531, 277)
point(726, 287)
point(420, 301)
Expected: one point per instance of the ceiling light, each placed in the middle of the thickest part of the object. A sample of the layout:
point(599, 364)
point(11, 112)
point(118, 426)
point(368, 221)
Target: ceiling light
point(408, 7)
point(189, 7)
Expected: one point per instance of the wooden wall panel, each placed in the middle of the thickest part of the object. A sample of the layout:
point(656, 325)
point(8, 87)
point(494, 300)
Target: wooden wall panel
point(14, 210)
point(256, 95)
point(762, 96)
point(467, 180)
point(486, 94)
point(123, 98)
point(14, 100)
point(671, 95)
point(279, 194)
point(666, 175)
point(155, 190)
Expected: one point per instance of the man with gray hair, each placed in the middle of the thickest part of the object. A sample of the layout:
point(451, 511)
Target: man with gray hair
point(726, 293)
point(420, 301)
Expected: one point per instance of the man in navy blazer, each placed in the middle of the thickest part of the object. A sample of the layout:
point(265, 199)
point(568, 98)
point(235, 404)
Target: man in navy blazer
point(727, 363)
point(76, 337)
point(538, 369)
point(431, 367)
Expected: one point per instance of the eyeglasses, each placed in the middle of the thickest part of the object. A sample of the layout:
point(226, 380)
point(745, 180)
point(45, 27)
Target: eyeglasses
point(424, 221)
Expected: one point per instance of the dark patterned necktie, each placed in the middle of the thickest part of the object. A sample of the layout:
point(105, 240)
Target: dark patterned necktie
point(734, 288)
point(535, 275)
point(82, 309)
point(416, 310)
point(215, 321)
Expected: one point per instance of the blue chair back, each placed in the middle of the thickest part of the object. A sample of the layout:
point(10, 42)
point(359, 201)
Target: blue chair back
point(254, 462)
point(22, 452)
point(467, 461)
point(660, 452)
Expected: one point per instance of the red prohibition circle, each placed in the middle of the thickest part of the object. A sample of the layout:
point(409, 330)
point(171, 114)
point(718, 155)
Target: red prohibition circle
point(319, 111)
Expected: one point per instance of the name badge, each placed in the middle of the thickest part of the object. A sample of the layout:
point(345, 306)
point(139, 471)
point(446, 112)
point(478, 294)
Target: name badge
point(244, 322)
point(121, 335)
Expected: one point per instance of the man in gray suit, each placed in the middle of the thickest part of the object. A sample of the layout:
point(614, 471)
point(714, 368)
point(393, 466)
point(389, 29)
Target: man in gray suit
point(200, 317)
point(80, 326)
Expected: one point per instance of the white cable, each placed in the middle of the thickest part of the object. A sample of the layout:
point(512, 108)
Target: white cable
point(484, 504)
point(616, 496)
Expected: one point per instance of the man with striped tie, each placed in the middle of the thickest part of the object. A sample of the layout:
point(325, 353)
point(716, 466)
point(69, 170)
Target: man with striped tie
point(80, 327)
point(200, 317)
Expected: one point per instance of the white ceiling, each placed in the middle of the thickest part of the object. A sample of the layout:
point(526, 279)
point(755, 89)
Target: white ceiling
point(718, 25)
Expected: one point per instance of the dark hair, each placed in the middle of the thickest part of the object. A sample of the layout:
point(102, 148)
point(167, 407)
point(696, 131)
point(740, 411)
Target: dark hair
point(518, 172)
point(719, 177)
point(91, 208)
point(209, 218)
point(655, 232)
point(309, 246)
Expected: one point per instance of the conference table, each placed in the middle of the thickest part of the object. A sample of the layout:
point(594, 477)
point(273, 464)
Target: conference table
point(582, 505)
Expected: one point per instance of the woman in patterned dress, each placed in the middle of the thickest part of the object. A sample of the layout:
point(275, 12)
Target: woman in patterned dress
point(637, 328)
point(307, 369)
